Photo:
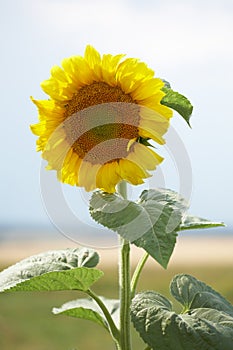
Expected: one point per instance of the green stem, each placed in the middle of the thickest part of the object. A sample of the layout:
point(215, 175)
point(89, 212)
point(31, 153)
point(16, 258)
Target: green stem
point(125, 296)
point(137, 273)
point(122, 189)
point(114, 330)
point(124, 282)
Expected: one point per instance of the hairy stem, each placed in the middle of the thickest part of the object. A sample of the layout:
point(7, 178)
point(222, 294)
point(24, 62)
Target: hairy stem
point(125, 296)
point(137, 273)
point(124, 282)
point(113, 329)
point(122, 189)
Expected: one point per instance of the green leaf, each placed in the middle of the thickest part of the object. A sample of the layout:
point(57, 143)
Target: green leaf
point(151, 223)
point(211, 301)
point(193, 222)
point(162, 328)
point(82, 308)
point(44, 263)
point(192, 294)
point(89, 310)
point(80, 278)
point(177, 102)
point(219, 318)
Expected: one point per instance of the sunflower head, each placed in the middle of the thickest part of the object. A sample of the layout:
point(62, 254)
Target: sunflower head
point(102, 110)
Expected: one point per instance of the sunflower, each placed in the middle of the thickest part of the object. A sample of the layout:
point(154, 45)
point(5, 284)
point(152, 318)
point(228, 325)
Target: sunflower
point(95, 127)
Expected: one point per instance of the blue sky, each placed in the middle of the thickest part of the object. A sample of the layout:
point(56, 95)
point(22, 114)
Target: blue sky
point(189, 43)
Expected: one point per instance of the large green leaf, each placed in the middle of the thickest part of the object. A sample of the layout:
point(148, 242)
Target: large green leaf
point(162, 328)
point(177, 102)
point(89, 310)
point(151, 223)
point(53, 264)
point(80, 278)
point(192, 294)
point(191, 222)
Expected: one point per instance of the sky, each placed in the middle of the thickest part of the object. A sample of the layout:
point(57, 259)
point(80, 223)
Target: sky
point(188, 43)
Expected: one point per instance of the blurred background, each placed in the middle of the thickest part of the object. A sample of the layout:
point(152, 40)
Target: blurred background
point(188, 43)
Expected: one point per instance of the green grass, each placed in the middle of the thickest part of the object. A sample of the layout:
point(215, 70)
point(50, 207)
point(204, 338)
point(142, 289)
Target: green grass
point(26, 321)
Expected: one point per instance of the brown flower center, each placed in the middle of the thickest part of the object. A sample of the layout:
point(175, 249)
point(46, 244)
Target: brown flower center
point(100, 121)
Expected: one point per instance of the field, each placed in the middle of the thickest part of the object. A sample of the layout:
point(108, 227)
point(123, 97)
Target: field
point(26, 321)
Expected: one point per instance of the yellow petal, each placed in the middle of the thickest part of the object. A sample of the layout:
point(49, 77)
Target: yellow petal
point(154, 104)
point(133, 65)
point(93, 58)
point(57, 91)
point(58, 74)
point(131, 172)
point(107, 177)
point(150, 133)
point(109, 68)
point(144, 157)
point(70, 169)
point(71, 70)
point(147, 88)
point(84, 72)
point(87, 175)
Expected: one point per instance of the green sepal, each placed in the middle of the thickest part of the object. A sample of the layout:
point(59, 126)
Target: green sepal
point(144, 141)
